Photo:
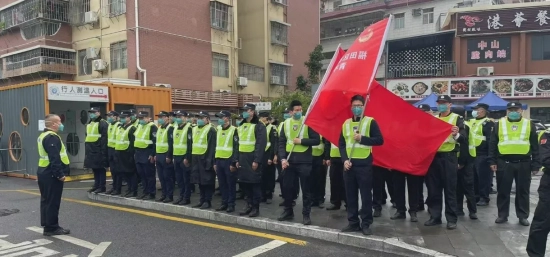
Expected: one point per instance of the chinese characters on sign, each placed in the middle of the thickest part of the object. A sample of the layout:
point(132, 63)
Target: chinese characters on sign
point(262, 106)
point(78, 93)
point(361, 55)
point(506, 20)
point(489, 50)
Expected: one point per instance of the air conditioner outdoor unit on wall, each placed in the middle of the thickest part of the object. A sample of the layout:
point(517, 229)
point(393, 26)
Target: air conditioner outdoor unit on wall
point(242, 81)
point(225, 91)
point(90, 17)
point(275, 80)
point(277, 1)
point(162, 85)
point(99, 65)
point(485, 71)
point(91, 53)
point(417, 12)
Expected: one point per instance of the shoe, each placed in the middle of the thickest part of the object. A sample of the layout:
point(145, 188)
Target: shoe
point(58, 231)
point(246, 211)
point(377, 213)
point(473, 216)
point(110, 191)
point(162, 198)
point(254, 213)
point(99, 190)
point(307, 220)
point(149, 197)
point(223, 207)
point(333, 207)
point(351, 228)
point(141, 197)
point(268, 201)
point(230, 209)
point(205, 205)
point(178, 201)
point(366, 230)
point(91, 190)
point(482, 202)
point(413, 217)
point(115, 192)
point(398, 216)
point(501, 220)
point(451, 225)
point(198, 205)
point(393, 205)
point(432, 222)
point(286, 215)
point(168, 200)
point(282, 203)
point(128, 194)
point(185, 202)
point(321, 205)
point(524, 222)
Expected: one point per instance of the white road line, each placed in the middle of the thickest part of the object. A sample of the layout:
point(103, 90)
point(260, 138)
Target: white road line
point(97, 250)
point(71, 255)
point(261, 249)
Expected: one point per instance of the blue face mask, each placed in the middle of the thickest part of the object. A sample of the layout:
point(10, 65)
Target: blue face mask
point(356, 110)
point(133, 118)
point(110, 119)
point(514, 115)
point(246, 115)
point(200, 122)
point(123, 120)
point(178, 121)
point(475, 114)
point(61, 127)
point(142, 122)
point(442, 107)
point(239, 122)
point(161, 121)
point(297, 115)
point(92, 116)
point(286, 116)
point(221, 122)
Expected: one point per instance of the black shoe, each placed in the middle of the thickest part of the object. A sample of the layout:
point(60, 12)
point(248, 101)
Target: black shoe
point(473, 216)
point(351, 228)
point(168, 200)
point(198, 205)
point(398, 216)
point(91, 190)
point(178, 201)
point(124, 183)
point(58, 231)
point(185, 202)
point(524, 222)
point(246, 211)
point(149, 197)
point(128, 194)
point(366, 230)
point(230, 209)
point(501, 220)
point(451, 225)
point(286, 215)
point(482, 202)
point(282, 203)
point(205, 205)
point(254, 213)
point(432, 222)
point(162, 198)
point(141, 197)
point(110, 191)
point(377, 213)
point(115, 192)
point(333, 207)
point(99, 190)
point(223, 207)
point(307, 220)
point(413, 217)
point(321, 205)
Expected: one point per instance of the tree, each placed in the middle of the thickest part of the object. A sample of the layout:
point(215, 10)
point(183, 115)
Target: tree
point(314, 65)
point(278, 105)
point(301, 84)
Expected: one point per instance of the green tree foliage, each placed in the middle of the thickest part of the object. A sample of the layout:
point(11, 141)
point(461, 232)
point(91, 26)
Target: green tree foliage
point(301, 84)
point(278, 105)
point(314, 65)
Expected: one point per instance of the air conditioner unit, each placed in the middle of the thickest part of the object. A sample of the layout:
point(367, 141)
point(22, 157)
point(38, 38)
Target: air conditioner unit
point(243, 82)
point(225, 91)
point(91, 53)
point(485, 71)
point(275, 80)
point(417, 12)
point(99, 65)
point(90, 17)
point(277, 1)
point(162, 85)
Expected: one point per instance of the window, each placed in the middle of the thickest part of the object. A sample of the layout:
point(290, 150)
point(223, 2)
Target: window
point(40, 29)
point(15, 146)
point(399, 21)
point(119, 56)
point(84, 63)
point(78, 11)
point(279, 33)
point(220, 65)
point(41, 56)
point(25, 116)
point(117, 7)
point(219, 15)
point(540, 47)
point(428, 16)
point(251, 72)
point(336, 4)
point(279, 74)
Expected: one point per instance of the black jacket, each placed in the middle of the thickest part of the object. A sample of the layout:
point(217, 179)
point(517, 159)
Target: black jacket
point(545, 151)
point(375, 139)
point(96, 156)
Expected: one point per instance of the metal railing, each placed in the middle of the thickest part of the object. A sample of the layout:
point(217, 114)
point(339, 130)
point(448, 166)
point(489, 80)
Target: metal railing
point(38, 64)
point(26, 11)
point(13, 160)
point(351, 6)
point(417, 70)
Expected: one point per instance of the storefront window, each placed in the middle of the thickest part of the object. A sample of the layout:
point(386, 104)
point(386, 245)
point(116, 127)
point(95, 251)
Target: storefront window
point(541, 113)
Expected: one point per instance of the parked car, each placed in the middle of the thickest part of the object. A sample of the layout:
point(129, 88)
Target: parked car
point(539, 125)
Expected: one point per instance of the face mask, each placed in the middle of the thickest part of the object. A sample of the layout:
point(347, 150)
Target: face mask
point(239, 122)
point(514, 115)
point(92, 116)
point(246, 115)
point(61, 127)
point(442, 107)
point(110, 119)
point(133, 118)
point(123, 120)
point(189, 121)
point(221, 122)
point(178, 121)
point(200, 122)
point(475, 114)
point(161, 121)
point(142, 122)
point(286, 116)
point(297, 115)
point(356, 110)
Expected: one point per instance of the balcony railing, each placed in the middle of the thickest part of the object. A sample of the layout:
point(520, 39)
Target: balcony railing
point(40, 64)
point(30, 10)
point(419, 70)
point(209, 98)
point(351, 6)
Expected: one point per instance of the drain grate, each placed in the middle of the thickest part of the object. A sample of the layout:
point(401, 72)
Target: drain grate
point(6, 212)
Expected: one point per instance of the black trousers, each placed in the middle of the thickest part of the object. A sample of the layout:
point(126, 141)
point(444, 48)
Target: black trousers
point(465, 187)
point(421, 191)
point(301, 171)
point(51, 190)
point(253, 192)
point(318, 180)
point(131, 180)
point(280, 177)
point(268, 181)
point(413, 183)
point(442, 178)
point(508, 172)
point(359, 179)
point(206, 193)
point(484, 177)
point(381, 178)
point(337, 189)
point(540, 227)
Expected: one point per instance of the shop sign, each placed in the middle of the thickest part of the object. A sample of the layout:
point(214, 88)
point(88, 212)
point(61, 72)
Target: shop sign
point(503, 20)
point(262, 106)
point(77, 93)
point(489, 50)
point(472, 87)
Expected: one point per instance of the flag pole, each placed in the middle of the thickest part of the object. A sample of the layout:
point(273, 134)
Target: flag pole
point(372, 78)
point(316, 96)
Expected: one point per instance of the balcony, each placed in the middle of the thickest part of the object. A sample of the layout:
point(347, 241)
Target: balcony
point(34, 10)
point(366, 6)
point(209, 98)
point(39, 60)
point(349, 26)
point(421, 70)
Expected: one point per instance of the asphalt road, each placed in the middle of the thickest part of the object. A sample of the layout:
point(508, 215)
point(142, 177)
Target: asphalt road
point(111, 230)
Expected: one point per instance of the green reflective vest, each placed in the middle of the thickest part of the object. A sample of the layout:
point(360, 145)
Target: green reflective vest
point(247, 137)
point(349, 129)
point(318, 150)
point(450, 142)
point(162, 139)
point(122, 139)
point(44, 160)
point(224, 142)
point(112, 133)
point(292, 128)
point(513, 137)
point(142, 135)
point(334, 151)
point(180, 140)
point(476, 135)
point(268, 129)
point(92, 132)
point(200, 139)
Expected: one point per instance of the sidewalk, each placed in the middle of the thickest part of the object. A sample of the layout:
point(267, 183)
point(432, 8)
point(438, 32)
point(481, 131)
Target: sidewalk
point(481, 237)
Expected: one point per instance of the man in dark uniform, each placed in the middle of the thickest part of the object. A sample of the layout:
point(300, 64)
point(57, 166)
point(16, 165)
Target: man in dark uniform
point(114, 124)
point(425, 108)
point(298, 138)
point(465, 179)
point(513, 155)
point(442, 174)
point(268, 167)
point(538, 233)
point(286, 116)
point(359, 135)
point(144, 144)
point(163, 157)
point(481, 128)
point(96, 157)
point(124, 156)
point(318, 175)
point(380, 178)
point(203, 159)
point(336, 172)
point(182, 143)
point(52, 165)
point(227, 155)
point(252, 144)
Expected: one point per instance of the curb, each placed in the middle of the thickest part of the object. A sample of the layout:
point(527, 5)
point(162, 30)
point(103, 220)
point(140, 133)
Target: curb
point(376, 243)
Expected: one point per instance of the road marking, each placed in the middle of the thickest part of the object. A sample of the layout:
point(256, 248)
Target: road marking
point(261, 249)
point(97, 250)
point(183, 220)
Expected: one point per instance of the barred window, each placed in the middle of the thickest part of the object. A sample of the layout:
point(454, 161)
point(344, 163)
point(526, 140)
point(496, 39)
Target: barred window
point(84, 63)
point(117, 7)
point(219, 15)
point(39, 56)
point(40, 29)
point(119, 56)
point(251, 72)
point(220, 65)
point(279, 33)
point(78, 9)
point(399, 21)
point(279, 74)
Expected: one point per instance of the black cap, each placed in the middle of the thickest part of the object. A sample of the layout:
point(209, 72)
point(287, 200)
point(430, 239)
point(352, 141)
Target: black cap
point(263, 114)
point(286, 110)
point(424, 107)
point(444, 98)
point(173, 113)
point(222, 114)
point(125, 113)
point(514, 104)
point(163, 114)
point(142, 114)
point(203, 114)
point(249, 106)
point(132, 111)
point(481, 105)
point(113, 113)
point(181, 113)
point(94, 109)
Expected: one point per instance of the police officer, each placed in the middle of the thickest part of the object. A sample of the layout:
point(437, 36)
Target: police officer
point(465, 178)
point(144, 144)
point(359, 134)
point(480, 129)
point(538, 233)
point(124, 156)
point(336, 173)
point(182, 144)
point(427, 109)
point(203, 159)
point(380, 178)
point(286, 116)
point(163, 157)
point(114, 124)
point(268, 167)
point(298, 140)
point(252, 147)
point(227, 155)
point(96, 157)
point(318, 175)
point(513, 155)
point(442, 173)
point(52, 165)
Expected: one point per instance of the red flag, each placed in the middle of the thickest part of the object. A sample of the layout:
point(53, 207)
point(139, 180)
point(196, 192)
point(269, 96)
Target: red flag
point(351, 76)
point(411, 136)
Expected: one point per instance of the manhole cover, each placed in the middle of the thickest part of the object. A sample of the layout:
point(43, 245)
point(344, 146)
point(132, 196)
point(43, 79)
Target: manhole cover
point(6, 212)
